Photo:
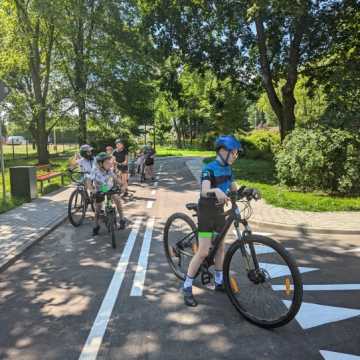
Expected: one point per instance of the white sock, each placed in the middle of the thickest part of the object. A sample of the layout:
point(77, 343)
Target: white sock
point(188, 282)
point(218, 277)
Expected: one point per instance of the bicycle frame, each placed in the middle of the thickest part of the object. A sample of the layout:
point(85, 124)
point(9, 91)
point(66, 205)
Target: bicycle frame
point(233, 216)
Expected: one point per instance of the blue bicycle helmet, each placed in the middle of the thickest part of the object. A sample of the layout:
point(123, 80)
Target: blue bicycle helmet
point(227, 142)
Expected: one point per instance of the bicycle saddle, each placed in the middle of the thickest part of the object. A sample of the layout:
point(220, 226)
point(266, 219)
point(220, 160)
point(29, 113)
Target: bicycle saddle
point(192, 206)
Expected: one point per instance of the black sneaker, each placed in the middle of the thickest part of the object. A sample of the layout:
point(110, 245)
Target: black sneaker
point(96, 230)
point(219, 287)
point(189, 299)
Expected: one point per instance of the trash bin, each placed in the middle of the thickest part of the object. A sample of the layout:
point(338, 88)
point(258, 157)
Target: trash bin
point(23, 182)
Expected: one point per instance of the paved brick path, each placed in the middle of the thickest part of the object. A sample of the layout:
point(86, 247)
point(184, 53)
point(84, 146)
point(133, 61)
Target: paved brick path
point(21, 227)
point(283, 218)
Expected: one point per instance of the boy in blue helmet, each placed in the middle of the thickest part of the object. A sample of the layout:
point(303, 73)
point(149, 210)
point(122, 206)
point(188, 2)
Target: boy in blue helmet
point(216, 177)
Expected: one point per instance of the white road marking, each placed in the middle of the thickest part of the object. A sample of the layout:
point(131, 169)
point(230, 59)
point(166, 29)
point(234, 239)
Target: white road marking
point(94, 340)
point(139, 279)
point(276, 270)
point(149, 204)
point(311, 315)
point(331, 355)
point(353, 250)
point(323, 287)
point(153, 192)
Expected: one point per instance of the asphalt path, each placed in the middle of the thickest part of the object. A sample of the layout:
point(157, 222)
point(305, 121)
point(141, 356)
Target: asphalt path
point(71, 296)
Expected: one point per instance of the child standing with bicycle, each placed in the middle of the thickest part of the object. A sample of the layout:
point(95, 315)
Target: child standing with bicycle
point(105, 179)
point(217, 178)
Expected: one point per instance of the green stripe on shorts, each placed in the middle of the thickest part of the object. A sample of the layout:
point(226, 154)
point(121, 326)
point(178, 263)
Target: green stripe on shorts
point(205, 234)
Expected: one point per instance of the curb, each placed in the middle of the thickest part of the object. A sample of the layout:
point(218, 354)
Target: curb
point(299, 227)
point(11, 258)
point(303, 228)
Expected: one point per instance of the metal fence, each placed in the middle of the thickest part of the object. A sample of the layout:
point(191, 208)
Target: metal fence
point(28, 150)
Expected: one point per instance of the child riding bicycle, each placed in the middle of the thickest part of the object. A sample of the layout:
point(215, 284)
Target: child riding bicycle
point(104, 179)
point(86, 163)
point(217, 177)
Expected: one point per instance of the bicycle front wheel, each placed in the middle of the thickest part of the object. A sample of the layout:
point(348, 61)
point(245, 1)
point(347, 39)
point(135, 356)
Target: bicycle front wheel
point(180, 243)
point(262, 281)
point(112, 228)
point(77, 208)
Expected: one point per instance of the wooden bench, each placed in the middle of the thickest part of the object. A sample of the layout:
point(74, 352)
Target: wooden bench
point(47, 176)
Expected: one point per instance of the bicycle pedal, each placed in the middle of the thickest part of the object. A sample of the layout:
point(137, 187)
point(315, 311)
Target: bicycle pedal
point(206, 278)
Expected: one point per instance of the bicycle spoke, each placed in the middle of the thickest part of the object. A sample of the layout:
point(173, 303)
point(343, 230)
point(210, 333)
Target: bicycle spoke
point(256, 293)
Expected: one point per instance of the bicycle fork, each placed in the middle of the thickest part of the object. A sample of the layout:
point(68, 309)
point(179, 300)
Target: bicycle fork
point(241, 239)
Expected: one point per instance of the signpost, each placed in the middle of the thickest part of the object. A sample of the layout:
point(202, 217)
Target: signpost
point(4, 91)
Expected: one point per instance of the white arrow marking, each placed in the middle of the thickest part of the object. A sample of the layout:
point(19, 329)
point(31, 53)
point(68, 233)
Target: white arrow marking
point(276, 270)
point(324, 287)
point(311, 315)
point(331, 355)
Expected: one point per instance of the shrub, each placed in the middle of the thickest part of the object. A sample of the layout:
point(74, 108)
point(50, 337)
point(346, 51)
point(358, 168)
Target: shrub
point(322, 159)
point(260, 144)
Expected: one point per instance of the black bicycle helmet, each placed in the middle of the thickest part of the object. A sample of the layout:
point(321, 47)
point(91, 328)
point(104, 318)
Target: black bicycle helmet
point(119, 141)
point(84, 149)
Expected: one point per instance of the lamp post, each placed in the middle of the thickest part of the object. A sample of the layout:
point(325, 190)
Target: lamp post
point(4, 91)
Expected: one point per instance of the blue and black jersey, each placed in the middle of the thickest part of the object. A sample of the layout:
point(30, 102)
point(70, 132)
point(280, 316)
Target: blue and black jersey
point(220, 176)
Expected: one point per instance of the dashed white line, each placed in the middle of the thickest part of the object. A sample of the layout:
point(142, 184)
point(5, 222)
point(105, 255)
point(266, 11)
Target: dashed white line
point(139, 280)
point(153, 192)
point(149, 204)
point(94, 340)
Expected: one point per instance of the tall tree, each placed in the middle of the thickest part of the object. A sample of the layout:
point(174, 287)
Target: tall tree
point(246, 40)
point(28, 45)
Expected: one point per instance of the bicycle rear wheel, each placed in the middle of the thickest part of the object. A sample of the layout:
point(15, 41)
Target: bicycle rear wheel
point(77, 207)
point(270, 294)
point(180, 243)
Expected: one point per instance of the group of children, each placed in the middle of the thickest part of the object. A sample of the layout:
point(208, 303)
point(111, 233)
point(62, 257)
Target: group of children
point(217, 177)
point(107, 170)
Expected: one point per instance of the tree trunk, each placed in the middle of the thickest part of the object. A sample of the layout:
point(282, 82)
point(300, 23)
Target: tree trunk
point(178, 134)
point(82, 122)
point(42, 139)
point(289, 103)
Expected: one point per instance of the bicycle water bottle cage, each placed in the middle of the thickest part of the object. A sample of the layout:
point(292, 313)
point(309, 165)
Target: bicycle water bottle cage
point(206, 277)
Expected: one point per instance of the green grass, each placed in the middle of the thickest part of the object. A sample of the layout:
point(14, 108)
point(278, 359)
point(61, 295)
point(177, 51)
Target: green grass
point(59, 164)
point(20, 151)
point(260, 174)
point(171, 151)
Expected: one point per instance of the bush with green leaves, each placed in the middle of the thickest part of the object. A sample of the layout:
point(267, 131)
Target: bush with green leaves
point(320, 159)
point(260, 144)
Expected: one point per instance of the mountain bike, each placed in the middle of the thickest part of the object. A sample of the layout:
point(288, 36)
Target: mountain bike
point(79, 200)
point(109, 214)
point(261, 278)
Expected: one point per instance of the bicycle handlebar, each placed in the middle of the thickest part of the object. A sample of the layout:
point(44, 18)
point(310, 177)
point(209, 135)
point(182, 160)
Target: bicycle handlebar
point(73, 173)
point(242, 193)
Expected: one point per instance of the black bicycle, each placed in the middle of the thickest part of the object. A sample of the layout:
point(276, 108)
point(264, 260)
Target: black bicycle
point(109, 214)
point(261, 278)
point(79, 200)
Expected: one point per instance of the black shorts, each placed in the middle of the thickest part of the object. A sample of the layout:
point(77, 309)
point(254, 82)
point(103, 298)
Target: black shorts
point(123, 168)
point(149, 161)
point(211, 217)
